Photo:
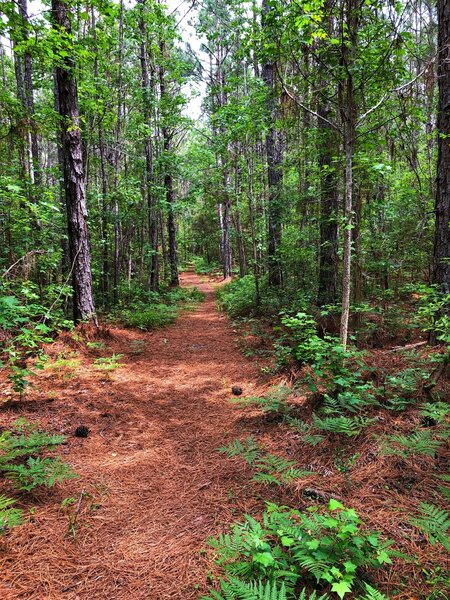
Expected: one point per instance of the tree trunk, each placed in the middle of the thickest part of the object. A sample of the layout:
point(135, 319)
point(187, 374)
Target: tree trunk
point(226, 226)
point(74, 185)
point(441, 254)
point(329, 209)
point(346, 276)
point(35, 169)
point(349, 116)
point(168, 181)
point(147, 89)
point(274, 166)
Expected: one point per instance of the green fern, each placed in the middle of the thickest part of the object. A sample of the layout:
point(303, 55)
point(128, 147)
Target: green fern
point(435, 410)
point(270, 469)
point(289, 547)
point(38, 471)
point(236, 589)
point(434, 522)
point(249, 450)
point(419, 442)
point(445, 490)
point(399, 403)
point(20, 460)
point(372, 594)
point(350, 426)
point(277, 470)
point(9, 517)
point(275, 402)
point(304, 430)
point(26, 444)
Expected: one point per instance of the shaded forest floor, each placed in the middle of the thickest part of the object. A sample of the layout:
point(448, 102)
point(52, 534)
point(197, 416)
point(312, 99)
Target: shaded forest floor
point(152, 485)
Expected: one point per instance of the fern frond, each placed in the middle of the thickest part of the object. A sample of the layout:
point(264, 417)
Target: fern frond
point(420, 442)
point(350, 426)
point(236, 589)
point(434, 522)
point(249, 450)
point(277, 470)
point(304, 429)
point(372, 594)
point(9, 517)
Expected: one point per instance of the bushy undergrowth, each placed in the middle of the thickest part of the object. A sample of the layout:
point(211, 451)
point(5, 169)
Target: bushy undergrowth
point(329, 550)
point(203, 267)
point(28, 322)
point(150, 310)
point(238, 298)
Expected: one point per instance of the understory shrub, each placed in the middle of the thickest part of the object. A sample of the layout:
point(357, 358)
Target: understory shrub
point(150, 317)
point(203, 267)
point(238, 298)
point(151, 310)
point(288, 549)
point(27, 324)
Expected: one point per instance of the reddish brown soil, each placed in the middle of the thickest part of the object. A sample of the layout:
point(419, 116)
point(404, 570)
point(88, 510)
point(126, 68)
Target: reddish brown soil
point(154, 485)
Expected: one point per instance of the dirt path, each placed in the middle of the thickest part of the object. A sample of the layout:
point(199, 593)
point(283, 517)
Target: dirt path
point(155, 485)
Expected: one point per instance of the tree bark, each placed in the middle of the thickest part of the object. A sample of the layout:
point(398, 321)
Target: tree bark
point(441, 254)
point(147, 89)
point(168, 180)
point(274, 165)
point(74, 185)
point(348, 111)
point(329, 209)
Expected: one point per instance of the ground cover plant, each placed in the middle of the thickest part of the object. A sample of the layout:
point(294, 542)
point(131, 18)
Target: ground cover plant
point(26, 465)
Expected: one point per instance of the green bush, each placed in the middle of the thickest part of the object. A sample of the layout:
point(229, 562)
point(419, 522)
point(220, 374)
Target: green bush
point(328, 549)
point(150, 317)
point(150, 310)
point(203, 267)
point(238, 298)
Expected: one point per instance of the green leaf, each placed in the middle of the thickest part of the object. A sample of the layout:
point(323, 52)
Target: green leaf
point(383, 557)
point(287, 541)
point(341, 588)
point(349, 566)
point(334, 504)
point(264, 558)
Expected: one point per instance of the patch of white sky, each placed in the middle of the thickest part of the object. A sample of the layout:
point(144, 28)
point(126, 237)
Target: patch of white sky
point(185, 13)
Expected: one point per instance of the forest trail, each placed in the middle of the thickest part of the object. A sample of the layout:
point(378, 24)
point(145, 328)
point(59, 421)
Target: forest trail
point(155, 485)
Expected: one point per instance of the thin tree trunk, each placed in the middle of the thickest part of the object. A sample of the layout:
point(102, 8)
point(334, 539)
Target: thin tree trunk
point(35, 169)
point(274, 166)
point(329, 209)
point(147, 89)
point(117, 166)
point(168, 181)
point(349, 115)
point(104, 184)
